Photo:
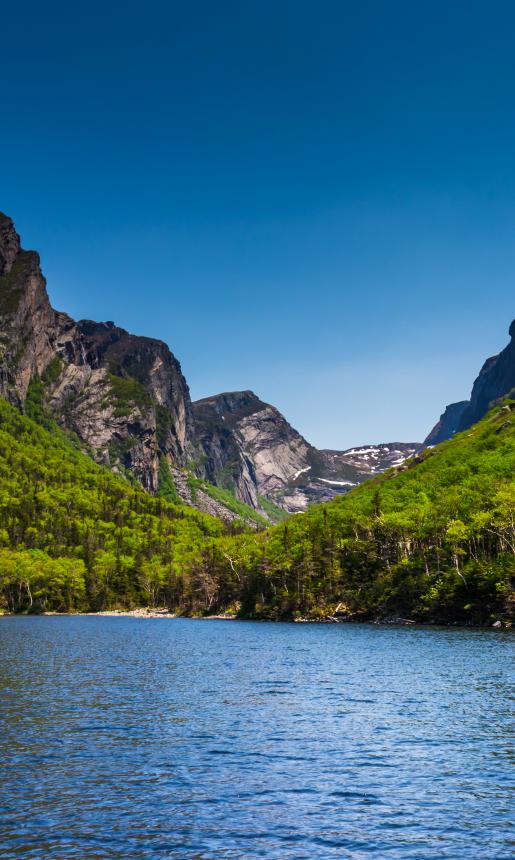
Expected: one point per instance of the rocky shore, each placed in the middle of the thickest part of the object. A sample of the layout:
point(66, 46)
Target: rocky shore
point(146, 612)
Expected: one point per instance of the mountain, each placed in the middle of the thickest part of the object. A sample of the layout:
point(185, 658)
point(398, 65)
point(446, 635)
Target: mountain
point(124, 396)
point(496, 380)
point(249, 445)
point(126, 399)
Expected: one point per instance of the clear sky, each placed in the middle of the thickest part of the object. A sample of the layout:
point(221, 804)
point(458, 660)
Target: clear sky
point(315, 200)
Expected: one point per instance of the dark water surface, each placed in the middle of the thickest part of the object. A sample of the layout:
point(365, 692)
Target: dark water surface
point(153, 738)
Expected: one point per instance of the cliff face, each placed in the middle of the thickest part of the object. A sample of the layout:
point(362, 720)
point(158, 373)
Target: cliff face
point(250, 446)
point(225, 461)
point(448, 423)
point(132, 386)
point(124, 396)
point(28, 325)
point(496, 380)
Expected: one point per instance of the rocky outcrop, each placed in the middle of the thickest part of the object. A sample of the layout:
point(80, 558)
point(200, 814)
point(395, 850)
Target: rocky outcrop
point(28, 324)
point(198, 498)
point(496, 380)
point(9, 244)
point(131, 391)
point(448, 423)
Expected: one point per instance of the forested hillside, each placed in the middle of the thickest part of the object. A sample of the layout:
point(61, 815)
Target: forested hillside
point(75, 536)
point(433, 540)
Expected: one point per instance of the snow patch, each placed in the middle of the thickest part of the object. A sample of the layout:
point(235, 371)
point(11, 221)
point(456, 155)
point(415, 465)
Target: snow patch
point(362, 451)
point(338, 483)
point(296, 475)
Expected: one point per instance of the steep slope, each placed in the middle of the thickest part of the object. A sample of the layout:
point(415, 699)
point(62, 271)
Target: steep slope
point(448, 423)
point(124, 396)
point(250, 447)
point(496, 380)
point(432, 539)
point(29, 328)
point(75, 536)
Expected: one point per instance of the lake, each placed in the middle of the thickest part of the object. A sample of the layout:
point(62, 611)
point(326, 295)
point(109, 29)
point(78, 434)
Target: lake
point(155, 738)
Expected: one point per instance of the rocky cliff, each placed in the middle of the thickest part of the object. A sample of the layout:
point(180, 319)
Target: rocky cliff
point(28, 326)
point(448, 423)
point(496, 380)
point(124, 396)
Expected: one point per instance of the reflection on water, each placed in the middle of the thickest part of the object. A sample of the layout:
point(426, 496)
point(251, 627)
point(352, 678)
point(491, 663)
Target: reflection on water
point(134, 738)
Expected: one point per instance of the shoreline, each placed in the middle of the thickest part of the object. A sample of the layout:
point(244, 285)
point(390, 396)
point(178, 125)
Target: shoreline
point(143, 612)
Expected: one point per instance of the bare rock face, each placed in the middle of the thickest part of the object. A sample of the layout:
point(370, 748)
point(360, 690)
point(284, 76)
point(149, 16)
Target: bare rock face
point(251, 447)
point(204, 502)
point(9, 244)
point(225, 461)
point(496, 380)
point(448, 423)
point(28, 324)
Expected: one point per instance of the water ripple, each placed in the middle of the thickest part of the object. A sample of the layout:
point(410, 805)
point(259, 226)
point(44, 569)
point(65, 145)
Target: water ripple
point(122, 738)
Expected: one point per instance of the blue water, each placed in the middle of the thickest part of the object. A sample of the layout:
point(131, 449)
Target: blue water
point(155, 738)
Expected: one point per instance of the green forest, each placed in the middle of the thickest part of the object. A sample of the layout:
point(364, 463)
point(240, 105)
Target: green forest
point(74, 536)
point(431, 541)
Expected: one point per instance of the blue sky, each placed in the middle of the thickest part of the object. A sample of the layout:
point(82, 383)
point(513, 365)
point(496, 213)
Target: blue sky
point(312, 200)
